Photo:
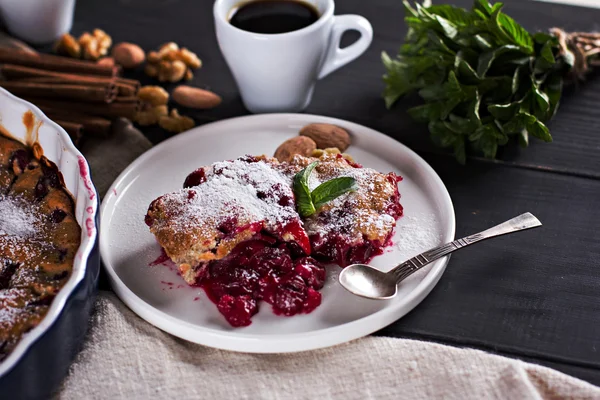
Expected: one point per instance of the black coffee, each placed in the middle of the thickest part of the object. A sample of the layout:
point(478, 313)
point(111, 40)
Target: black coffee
point(274, 16)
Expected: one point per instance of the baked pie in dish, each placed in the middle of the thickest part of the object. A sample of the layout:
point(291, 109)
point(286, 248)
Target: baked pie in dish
point(39, 237)
point(237, 231)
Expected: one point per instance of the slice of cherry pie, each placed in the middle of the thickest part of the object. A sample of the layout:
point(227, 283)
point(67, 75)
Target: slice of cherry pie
point(354, 227)
point(234, 231)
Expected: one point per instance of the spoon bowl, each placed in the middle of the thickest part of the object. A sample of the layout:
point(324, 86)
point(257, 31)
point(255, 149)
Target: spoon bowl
point(366, 281)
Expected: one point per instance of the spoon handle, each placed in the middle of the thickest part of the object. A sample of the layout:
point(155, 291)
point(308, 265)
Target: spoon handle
point(522, 222)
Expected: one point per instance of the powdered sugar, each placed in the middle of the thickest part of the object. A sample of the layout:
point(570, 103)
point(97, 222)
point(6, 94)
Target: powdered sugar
point(417, 234)
point(250, 191)
point(17, 217)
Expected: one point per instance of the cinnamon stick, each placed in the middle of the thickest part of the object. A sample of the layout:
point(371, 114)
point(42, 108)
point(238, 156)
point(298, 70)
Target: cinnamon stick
point(127, 99)
point(56, 63)
point(112, 110)
point(123, 89)
point(92, 125)
point(134, 84)
point(106, 93)
point(127, 90)
point(73, 129)
point(126, 87)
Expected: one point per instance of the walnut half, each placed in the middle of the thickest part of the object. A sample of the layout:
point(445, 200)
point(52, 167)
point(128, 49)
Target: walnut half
point(171, 63)
point(90, 46)
point(174, 122)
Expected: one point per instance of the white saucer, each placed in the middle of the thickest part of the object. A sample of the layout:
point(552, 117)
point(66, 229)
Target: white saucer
point(161, 297)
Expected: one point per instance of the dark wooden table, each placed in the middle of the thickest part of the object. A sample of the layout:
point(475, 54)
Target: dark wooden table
point(535, 296)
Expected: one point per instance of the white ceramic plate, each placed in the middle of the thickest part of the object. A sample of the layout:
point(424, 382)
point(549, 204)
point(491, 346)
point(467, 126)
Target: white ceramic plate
point(161, 297)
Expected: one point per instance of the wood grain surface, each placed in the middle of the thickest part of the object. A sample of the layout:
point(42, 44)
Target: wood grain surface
point(534, 296)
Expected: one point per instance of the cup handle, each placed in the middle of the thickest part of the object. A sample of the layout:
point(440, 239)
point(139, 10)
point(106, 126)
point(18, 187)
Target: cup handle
point(337, 57)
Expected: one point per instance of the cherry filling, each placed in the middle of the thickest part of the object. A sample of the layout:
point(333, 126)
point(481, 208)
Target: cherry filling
point(195, 178)
point(263, 269)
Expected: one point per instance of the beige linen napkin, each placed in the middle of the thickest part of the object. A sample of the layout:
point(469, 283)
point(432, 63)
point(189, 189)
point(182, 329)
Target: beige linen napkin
point(126, 358)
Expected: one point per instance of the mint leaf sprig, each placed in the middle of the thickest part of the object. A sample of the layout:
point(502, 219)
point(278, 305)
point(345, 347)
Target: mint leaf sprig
point(483, 78)
point(308, 202)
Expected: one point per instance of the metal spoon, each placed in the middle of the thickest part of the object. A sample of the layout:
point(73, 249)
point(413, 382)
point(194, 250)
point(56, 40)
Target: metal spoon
point(366, 281)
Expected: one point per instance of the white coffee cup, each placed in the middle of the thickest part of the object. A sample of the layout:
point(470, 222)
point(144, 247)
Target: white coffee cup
point(278, 72)
point(35, 21)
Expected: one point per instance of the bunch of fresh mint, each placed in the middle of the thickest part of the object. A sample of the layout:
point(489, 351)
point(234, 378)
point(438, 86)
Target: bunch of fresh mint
point(483, 78)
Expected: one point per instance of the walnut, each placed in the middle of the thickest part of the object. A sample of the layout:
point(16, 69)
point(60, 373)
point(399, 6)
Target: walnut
point(90, 50)
point(171, 71)
point(151, 115)
point(167, 48)
point(153, 57)
point(190, 59)
point(154, 95)
point(67, 45)
point(151, 70)
point(89, 46)
point(104, 41)
point(175, 122)
point(94, 45)
point(85, 38)
point(318, 153)
point(177, 72)
point(171, 63)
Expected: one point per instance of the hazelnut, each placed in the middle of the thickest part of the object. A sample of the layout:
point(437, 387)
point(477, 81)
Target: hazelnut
point(297, 145)
point(327, 136)
point(128, 55)
point(108, 61)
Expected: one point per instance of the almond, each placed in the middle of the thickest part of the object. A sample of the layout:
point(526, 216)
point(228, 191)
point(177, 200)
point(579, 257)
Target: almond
point(128, 55)
point(327, 136)
point(193, 97)
point(297, 145)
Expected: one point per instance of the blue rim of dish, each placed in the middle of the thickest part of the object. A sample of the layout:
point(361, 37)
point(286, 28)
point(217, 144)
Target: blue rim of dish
point(81, 278)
